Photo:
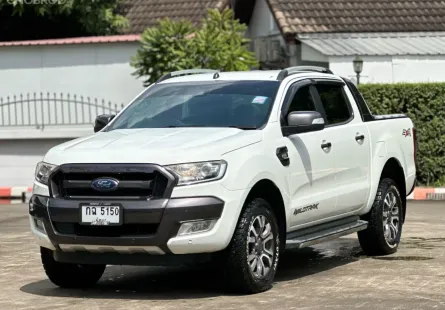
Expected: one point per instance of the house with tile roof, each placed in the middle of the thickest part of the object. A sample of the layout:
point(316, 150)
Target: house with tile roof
point(394, 37)
point(399, 40)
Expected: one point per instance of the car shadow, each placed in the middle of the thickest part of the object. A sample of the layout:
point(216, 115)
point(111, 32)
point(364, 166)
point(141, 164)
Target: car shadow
point(167, 283)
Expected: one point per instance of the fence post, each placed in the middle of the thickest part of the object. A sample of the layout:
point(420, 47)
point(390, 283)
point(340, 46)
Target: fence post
point(43, 111)
point(35, 111)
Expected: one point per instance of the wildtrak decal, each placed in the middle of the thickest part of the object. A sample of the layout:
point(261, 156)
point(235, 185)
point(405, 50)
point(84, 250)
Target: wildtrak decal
point(304, 209)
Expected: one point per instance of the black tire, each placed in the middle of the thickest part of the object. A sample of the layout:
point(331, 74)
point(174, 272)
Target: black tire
point(67, 275)
point(372, 239)
point(238, 274)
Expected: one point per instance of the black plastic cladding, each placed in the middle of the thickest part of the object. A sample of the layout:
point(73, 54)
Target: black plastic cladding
point(112, 168)
point(163, 215)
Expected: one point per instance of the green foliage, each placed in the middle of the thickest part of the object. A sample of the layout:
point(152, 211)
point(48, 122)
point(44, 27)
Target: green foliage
point(219, 43)
point(163, 49)
point(78, 17)
point(424, 103)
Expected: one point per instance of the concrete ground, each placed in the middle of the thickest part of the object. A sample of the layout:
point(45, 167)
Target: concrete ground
point(334, 275)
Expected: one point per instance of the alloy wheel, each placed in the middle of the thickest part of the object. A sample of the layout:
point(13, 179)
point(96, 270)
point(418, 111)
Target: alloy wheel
point(260, 246)
point(391, 219)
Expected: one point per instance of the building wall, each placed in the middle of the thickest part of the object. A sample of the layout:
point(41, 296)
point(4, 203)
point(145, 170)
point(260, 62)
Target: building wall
point(393, 69)
point(262, 23)
point(263, 30)
point(53, 91)
point(92, 70)
point(18, 159)
point(30, 126)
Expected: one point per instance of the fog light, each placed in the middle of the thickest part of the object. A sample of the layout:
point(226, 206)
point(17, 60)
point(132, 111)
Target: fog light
point(196, 227)
point(39, 225)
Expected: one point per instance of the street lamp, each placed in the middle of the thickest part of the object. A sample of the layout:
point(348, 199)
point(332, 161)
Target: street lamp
point(358, 67)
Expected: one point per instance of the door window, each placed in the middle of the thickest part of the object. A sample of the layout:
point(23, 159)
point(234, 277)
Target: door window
point(302, 100)
point(335, 103)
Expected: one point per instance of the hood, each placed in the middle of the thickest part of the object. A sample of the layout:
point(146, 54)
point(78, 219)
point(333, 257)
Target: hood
point(153, 145)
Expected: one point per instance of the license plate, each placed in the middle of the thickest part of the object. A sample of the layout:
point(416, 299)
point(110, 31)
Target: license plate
point(101, 215)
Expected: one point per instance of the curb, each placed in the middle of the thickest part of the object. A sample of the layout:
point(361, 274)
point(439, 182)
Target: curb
point(15, 194)
point(427, 193)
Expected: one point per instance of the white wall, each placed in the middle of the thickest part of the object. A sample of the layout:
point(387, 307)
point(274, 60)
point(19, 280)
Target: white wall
point(100, 73)
point(262, 22)
point(18, 159)
point(392, 69)
point(97, 70)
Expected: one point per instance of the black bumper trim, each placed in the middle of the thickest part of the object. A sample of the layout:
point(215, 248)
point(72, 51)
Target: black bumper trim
point(131, 259)
point(166, 213)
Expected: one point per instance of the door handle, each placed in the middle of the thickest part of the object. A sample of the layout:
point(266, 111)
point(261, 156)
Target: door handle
point(359, 137)
point(326, 145)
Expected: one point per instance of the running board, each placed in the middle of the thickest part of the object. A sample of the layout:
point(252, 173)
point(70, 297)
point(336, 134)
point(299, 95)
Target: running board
point(326, 232)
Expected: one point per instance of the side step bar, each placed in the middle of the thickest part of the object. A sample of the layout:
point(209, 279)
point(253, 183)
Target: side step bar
point(324, 232)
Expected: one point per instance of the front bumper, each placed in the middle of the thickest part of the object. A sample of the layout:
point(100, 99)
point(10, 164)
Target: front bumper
point(148, 226)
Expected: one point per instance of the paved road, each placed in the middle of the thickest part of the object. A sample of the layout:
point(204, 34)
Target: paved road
point(334, 275)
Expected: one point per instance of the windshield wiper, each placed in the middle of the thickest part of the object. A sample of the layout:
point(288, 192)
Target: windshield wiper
point(244, 127)
point(231, 126)
point(180, 126)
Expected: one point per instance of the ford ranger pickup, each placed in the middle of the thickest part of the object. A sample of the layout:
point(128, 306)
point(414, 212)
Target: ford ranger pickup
point(229, 167)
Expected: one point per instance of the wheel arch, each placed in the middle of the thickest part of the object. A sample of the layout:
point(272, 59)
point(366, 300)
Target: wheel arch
point(394, 170)
point(269, 191)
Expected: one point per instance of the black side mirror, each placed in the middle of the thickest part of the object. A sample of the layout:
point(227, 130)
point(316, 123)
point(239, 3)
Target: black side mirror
point(102, 121)
point(305, 121)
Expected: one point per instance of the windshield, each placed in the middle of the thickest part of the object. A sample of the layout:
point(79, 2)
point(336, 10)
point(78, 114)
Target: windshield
point(242, 104)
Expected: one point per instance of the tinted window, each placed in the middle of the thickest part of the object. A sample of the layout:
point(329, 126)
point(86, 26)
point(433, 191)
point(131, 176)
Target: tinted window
point(334, 103)
point(361, 103)
point(207, 104)
point(302, 100)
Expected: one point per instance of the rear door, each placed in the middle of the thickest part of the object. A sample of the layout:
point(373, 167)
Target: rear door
point(350, 145)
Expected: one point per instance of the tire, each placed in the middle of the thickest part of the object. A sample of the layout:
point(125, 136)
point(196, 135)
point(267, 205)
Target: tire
point(66, 275)
point(372, 239)
point(239, 276)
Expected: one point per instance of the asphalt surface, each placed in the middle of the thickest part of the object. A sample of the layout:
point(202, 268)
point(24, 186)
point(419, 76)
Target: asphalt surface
point(333, 275)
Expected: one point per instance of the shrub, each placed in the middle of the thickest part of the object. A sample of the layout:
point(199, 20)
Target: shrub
point(424, 103)
point(218, 43)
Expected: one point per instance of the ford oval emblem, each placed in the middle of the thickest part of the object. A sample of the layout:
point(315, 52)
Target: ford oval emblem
point(104, 184)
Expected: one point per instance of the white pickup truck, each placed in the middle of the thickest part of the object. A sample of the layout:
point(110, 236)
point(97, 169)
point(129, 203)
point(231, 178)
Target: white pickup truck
point(224, 167)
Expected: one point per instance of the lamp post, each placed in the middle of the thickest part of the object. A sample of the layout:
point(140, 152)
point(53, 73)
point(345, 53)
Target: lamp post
point(358, 67)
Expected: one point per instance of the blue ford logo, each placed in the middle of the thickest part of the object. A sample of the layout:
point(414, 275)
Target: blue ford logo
point(104, 184)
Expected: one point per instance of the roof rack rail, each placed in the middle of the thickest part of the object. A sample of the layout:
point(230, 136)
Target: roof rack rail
point(185, 72)
point(292, 70)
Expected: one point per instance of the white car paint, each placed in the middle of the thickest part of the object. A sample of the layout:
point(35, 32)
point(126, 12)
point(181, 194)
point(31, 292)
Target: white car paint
point(342, 180)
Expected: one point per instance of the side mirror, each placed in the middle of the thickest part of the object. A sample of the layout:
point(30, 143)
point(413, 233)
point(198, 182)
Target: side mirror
point(102, 121)
point(304, 121)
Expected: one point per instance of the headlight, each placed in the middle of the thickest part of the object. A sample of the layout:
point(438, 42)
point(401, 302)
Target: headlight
point(193, 173)
point(43, 170)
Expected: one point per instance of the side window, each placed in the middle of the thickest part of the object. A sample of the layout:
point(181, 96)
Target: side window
point(334, 102)
point(302, 100)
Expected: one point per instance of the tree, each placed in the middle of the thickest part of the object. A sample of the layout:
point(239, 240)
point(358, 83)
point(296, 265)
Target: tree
point(218, 43)
point(24, 20)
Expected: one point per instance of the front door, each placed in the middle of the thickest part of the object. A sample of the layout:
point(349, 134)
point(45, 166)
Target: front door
point(311, 171)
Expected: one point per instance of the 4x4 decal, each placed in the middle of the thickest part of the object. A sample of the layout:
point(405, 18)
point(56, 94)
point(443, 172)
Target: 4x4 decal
point(406, 132)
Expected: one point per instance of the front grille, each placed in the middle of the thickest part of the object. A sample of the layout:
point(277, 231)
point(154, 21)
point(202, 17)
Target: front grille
point(126, 230)
point(135, 182)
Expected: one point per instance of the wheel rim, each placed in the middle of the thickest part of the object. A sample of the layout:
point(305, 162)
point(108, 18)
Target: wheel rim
point(260, 246)
point(391, 220)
